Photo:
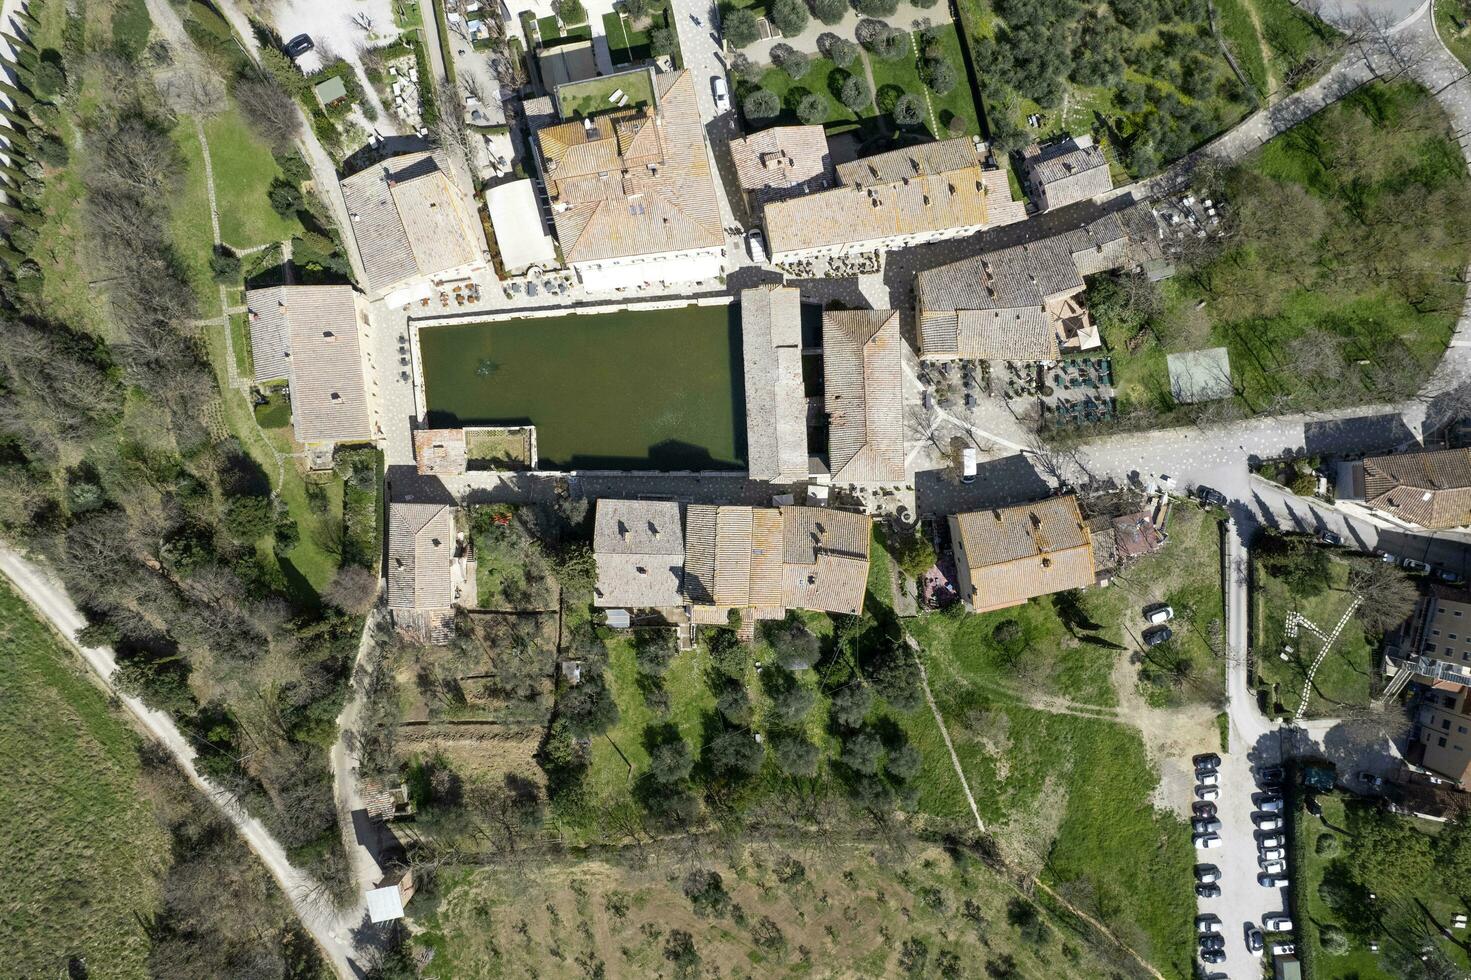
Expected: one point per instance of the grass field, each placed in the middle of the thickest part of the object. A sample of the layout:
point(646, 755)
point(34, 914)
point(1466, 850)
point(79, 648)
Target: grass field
point(193, 232)
point(1344, 678)
point(1269, 297)
point(625, 44)
point(590, 98)
point(244, 170)
point(84, 849)
point(1241, 35)
point(958, 103)
point(824, 78)
point(784, 910)
point(1453, 23)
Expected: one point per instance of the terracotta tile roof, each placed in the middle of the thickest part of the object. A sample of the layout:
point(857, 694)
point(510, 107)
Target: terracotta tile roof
point(776, 399)
point(862, 359)
point(633, 183)
point(1011, 554)
point(421, 551)
point(783, 161)
point(1431, 489)
point(323, 355)
point(639, 550)
point(410, 220)
point(925, 159)
point(1076, 174)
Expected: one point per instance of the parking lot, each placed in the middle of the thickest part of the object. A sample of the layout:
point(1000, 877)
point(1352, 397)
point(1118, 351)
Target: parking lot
point(1242, 899)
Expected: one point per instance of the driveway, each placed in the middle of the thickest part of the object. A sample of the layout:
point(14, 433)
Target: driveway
point(341, 30)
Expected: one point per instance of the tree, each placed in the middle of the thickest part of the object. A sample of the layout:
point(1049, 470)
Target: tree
point(877, 8)
point(761, 105)
point(789, 16)
point(635, 9)
point(652, 651)
point(829, 11)
point(270, 110)
point(738, 26)
point(891, 668)
point(812, 109)
point(795, 63)
point(588, 706)
point(1453, 848)
point(794, 754)
point(862, 752)
point(938, 74)
point(913, 552)
point(249, 517)
point(840, 51)
point(733, 703)
point(1386, 594)
point(1304, 568)
point(888, 43)
point(286, 199)
point(849, 705)
point(903, 762)
point(670, 761)
point(908, 110)
point(854, 93)
point(353, 589)
point(1388, 856)
point(734, 753)
point(571, 12)
point(224, 265)
point(790, 699)
point(662, 41)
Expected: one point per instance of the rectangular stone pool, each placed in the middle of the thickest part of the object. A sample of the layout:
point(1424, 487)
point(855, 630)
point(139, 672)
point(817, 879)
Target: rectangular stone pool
point(636, 389)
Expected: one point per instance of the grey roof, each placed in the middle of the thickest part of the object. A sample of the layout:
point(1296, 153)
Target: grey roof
point(863, 395)
point(776, 401)
point(639, 549)
point(421, 552)
point(409, 220)
point(1076, 174)
point(924, 160)
point(322, 356)
point(782, 161)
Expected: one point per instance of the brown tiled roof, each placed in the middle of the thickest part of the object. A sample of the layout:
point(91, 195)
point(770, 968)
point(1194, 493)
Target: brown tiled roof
point(925, 159)
point(776, 399)
point(1432, 488)
point(323, 356)
point(1074, 175)
point(863, 395)
point(1015, 553)
point(421, 551)
point(782, 161)
point(409, 220)
point(639, 549)
point(635, 182)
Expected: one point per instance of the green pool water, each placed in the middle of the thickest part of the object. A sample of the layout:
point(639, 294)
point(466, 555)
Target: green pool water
point(657, 389)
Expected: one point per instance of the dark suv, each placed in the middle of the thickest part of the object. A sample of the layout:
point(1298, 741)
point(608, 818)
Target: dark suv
point(299, 45)
point(1211, 496)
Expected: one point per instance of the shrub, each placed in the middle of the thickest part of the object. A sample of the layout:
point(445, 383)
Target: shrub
point(286, 198)
point(877, 8)
point(908, 110)
point(23, 238)
point(661, 41)
point(1333, 940)
point(795, 63)
point(840, 51)
point(571, 12)
point(224, 265)
point(1328, 844)
point(789, 16)
point(50, 77)
point(812, 109)
point(829, 11)
point(52, 151)
point(738, 26)
point(914, 552)
point(854, 93)
point(249, 518)
point(293, 167)
point(761, 105)
point(938, 74)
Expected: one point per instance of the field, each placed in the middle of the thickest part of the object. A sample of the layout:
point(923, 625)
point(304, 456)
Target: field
point(193, 233)
point(1302, 334)
point(244, 170)
point(1344, 679)
point(83, 846)
point(1399, 922)
point(626, 44)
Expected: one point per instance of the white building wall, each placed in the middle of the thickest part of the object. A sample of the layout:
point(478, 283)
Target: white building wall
point(666, 267)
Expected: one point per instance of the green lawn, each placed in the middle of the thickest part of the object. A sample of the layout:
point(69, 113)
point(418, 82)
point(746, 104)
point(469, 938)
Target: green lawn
point(84, 849)
point(625, 44)
point(590, 97)
point(958, 103)
point(1453, 22)
point(244, 170)
point(1286, 289)
point(1245, 43)
point(823, 77)
point(193, 231)
point(894, 78)
point(240, 342)
point(1343, 679)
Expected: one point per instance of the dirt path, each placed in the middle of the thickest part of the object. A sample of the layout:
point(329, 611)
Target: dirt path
point(1261, 39)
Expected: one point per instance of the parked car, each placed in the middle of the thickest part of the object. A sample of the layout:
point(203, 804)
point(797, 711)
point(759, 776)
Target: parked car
point(299, 45)
point(1272, 854)
point(1449, 577)
point(1210, 940)
point(1253, 939)
point(1330, 537)
point(1159, 614)
point(1205, 825)
point(1207, 891)
point(1211, 496)
point(1207, 792)
point(1271, 840)
point(1415, 566)
point(1213, 955)
point(1207, 924)
point(1271, 880)
point(1267, 821)
point(756, 245)
point(1277, 922)
point(1270, 804)
point(1207, 873)
point(1159, 634)
point(1371, 780)
point(1208, 779)
point(1385, 556)
point(1204, 809)
point(1206, 842)
point(1274, 867)
point(722, 93)
point(1271, 776)
point(1206, 761)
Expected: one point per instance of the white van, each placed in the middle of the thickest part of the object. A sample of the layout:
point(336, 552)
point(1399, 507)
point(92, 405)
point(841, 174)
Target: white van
point(968, 465)
point(1277, 922)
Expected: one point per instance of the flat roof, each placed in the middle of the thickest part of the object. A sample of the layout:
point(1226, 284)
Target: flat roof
point(331, 89)
point(519, 232)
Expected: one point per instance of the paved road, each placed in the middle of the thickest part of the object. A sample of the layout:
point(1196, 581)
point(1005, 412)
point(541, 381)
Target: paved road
point(331, 931)
point(694, 22)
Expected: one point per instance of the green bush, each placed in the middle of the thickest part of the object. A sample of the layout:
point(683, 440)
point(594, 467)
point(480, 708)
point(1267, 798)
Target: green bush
point(877, 8)
point(854, 93)
point(938, 74)
point(908, 110)
point(829, 11)
point(839, 50)
point(286, 198)
point(1333, 940)
point(1328, 844)
point(738, 25)
point(50, 75)
point(571, 12)
point(761, 105)
point(789, 16)
point(224, 266)
point(249, 518)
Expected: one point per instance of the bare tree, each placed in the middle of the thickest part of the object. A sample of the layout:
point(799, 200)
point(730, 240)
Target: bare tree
point(270, 110)
point(353, 589)
point(1386, 595)
point(363, 21)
